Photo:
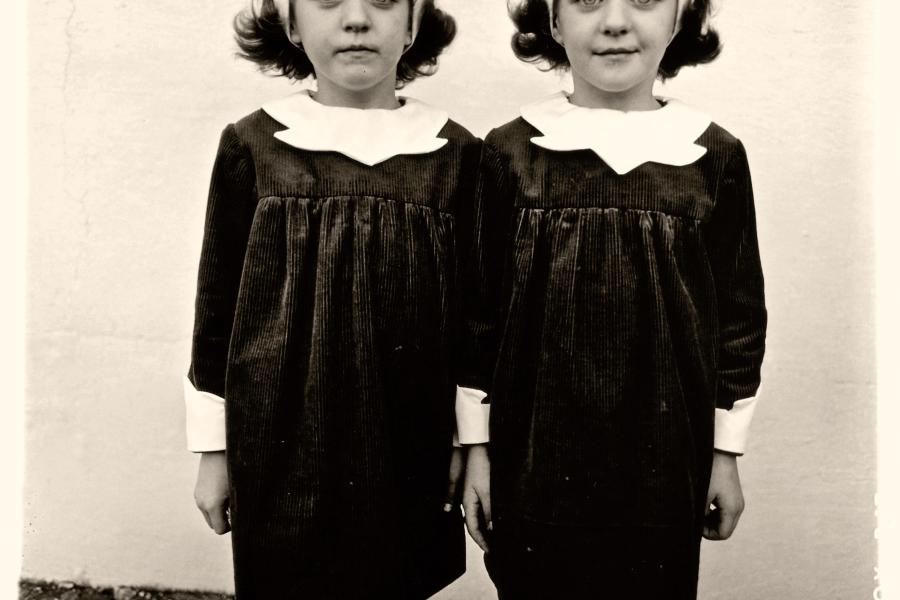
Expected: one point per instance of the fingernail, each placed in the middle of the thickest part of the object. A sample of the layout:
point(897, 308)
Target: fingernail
point(490, 525)
point(448, 507)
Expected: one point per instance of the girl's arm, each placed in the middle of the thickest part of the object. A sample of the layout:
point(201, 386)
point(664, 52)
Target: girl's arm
point(229, 214)
point(734, 256)
point(481, 239)
point(482, 242)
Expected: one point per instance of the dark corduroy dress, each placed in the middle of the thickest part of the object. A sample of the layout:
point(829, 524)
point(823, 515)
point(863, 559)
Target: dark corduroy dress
point(326, 317)
point(631, 308)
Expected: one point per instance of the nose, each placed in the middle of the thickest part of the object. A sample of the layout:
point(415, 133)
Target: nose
point(356, 16)
point(616, 18)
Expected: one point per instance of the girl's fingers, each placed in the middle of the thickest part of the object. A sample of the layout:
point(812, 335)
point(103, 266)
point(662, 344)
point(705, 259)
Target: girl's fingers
point(712, 514)
point(720, 523)
point(485, 497)
point(206, 516)
point(456, 470)
point(476, 534)
point(211, 490)
point(709, 520)
point(218, 519)
point(728, 522)
point(472, 509)
point(711, 523)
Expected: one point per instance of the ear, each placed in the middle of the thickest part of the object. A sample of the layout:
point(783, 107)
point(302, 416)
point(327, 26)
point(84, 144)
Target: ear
point(417, 10)
point(285, 14)
point(557, 36)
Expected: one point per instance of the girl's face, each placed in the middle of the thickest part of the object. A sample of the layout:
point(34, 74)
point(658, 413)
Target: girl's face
point(615, 48)
point(354, 45)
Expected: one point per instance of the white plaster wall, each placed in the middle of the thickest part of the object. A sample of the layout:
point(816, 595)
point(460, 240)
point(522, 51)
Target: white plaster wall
point(127, 102)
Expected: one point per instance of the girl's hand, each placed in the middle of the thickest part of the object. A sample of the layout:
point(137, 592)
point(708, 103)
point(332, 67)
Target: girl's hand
point(477, 494)
point(726, 495)
point(457, 466)
point(211, 492)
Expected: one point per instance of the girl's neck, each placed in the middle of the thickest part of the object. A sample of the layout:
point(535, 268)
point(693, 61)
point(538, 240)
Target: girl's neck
point(381, 96)
point(638, 99)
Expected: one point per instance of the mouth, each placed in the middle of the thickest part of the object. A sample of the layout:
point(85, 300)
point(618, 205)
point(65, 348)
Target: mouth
point(616, 52)
point(356, 49)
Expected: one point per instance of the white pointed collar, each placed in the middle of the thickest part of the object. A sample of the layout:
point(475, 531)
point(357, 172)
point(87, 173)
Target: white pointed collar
point(368, 136)
point(624, 140)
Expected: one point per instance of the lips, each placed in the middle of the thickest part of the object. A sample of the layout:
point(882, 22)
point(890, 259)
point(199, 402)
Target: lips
point(355, 49)
point(616, 51)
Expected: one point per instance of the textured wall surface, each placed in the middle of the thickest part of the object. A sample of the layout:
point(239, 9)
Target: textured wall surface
point(127, 102)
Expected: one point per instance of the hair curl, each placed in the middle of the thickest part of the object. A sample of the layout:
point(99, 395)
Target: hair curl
point(533, 41)
point(259, 34)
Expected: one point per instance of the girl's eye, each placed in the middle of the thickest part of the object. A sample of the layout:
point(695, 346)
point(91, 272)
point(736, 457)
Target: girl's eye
point(380, 3)
point(594, 3)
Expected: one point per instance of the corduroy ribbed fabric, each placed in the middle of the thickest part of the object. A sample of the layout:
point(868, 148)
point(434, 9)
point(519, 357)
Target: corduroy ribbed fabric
point(327, 317)
point(631, 307)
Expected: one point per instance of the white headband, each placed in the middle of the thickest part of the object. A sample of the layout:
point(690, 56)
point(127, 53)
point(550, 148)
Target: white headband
point(679, 12)
point(284, 13)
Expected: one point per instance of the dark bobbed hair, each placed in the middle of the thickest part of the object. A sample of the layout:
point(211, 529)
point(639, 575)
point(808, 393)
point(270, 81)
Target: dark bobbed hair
point(260, 35)
point(533, 42)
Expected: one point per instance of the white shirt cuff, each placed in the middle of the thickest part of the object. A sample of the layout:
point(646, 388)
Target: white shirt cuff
point(472, 416)
point(204, 419)
point(733, 426)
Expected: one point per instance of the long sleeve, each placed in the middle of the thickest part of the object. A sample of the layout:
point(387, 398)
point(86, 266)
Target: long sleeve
point(734, 257)
point(229, 214)
point(482, 241)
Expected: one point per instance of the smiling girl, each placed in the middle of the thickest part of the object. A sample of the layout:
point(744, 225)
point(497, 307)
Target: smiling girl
point(323, 347)
point(631, 314)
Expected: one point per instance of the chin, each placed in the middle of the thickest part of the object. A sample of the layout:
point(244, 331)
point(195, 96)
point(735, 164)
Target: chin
point(615, 87)
point(612, 82)
point(622, 89)
point(361, 79)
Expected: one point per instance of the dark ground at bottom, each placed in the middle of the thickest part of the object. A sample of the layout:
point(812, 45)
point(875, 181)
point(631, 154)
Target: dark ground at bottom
point(44, 590)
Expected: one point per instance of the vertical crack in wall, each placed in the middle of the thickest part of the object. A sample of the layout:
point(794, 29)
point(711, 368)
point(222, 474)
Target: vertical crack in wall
point(67, 31)
point(79, 199)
